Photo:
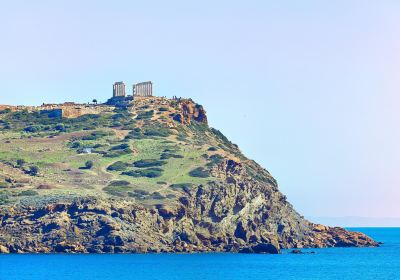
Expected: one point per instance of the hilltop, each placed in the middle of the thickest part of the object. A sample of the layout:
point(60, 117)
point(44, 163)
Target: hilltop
point(152, 176)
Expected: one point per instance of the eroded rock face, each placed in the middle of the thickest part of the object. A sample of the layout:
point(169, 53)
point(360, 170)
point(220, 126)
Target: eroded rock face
point(237, 214)
point(190, 111)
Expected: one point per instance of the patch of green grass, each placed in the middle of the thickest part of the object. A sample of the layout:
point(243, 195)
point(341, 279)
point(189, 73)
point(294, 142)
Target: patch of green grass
point(120, 190)
point(28, 193)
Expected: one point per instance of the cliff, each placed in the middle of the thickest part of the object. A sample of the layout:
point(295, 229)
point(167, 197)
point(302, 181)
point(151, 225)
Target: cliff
point(162, 181)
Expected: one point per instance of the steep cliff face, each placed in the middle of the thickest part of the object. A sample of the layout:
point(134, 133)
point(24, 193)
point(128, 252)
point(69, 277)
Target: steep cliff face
point(239, 215)
point(235, 206)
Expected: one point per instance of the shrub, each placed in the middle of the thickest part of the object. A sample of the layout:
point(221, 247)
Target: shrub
point(75, 145)
point(95, 135)
point(183, 186)
point(120, 147)
point(213, 149)
point(143, 163)
point(149, 173)
point(118, 166)
point(157, 195)
point(145, 115)
point(139, 194)
point(34, 170)
point(60, 127)
point(199, 172)
point(163, 109)
point(88, 164)
point(33, 128)
point(20, 162)
point(215, 160)
point(118, 150)
point(168, 155)
point(119, 183)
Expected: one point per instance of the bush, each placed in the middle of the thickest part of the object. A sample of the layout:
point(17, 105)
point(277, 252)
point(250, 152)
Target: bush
point(215, 160)
point(89, 164)
point(119, 183)
point(33, 128)
point(119, 147)
point(149, 173)
point(199, 172)
point(75, 145)
point(212, 149)
point(95, 135)
point(20, 162)
point(156, 195)
point(143, 163)
point(118, 150)
point(139, 194)
point(34, 170)
point(184, 186)
point(145, 115)
point(118, 166)
point(168, 155)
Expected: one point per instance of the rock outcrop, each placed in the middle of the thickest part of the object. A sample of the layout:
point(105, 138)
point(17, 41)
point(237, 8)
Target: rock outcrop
point(239, 215)
point(190, 111)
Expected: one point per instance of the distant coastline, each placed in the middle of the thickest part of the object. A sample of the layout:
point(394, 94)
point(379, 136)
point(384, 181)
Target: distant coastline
point(355, 221)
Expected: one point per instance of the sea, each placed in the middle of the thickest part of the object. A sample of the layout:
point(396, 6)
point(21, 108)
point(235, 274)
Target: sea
point(332, 263)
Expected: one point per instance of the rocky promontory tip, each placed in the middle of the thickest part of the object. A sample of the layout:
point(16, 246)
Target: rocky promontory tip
point(140, 175)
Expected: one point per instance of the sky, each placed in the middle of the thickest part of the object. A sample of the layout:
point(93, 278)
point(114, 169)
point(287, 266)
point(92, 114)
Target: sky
point(308, 89)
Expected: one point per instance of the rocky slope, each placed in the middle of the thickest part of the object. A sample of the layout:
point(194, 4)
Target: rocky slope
point(238, 208)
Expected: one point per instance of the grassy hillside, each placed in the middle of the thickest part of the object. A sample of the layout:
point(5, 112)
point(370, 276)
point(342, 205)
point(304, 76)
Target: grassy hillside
point(146, 153)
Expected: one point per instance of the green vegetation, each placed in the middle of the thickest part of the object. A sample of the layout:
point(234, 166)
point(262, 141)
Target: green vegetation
point(20, 162)
point(148, 157)
point(214, 160)
point(150, 173)
point(143, 163)
point(119, 183)
point(118, 166)
point(89, 164)
point(145, 115)
point(28, 193)
point(168, 155)
point(34, 170)
point(199, 172)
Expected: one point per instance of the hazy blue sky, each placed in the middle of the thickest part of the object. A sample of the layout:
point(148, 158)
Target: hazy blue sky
point(309, 89)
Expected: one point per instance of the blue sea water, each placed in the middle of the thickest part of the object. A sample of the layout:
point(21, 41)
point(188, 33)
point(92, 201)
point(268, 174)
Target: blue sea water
point(332, 263)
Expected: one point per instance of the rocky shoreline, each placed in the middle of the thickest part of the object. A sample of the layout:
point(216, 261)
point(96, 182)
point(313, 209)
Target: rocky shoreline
point(239, 215)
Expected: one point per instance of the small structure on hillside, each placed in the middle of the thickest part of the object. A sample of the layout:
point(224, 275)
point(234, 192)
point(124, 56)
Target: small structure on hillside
point(144, 89)
point(119, 89)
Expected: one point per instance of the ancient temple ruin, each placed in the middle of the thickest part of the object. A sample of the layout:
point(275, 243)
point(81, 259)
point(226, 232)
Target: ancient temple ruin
point(119, 89)
point(144, 89)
